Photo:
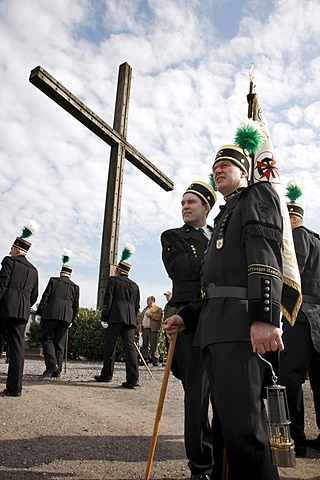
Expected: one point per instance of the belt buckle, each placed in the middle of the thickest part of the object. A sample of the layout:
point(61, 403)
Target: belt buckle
point(203, 293)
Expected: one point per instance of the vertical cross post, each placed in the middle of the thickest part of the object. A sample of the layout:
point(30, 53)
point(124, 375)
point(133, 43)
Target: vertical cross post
point(110, 233)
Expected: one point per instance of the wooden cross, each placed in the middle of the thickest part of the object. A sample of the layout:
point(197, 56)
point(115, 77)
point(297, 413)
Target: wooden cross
point(120, 149)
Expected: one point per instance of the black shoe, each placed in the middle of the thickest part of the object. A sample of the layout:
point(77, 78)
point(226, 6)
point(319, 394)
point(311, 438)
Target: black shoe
point(52, 372)
point(301, 451)
point(129, 385)
point(98, 378)
point(7, 393)
point(155, 364)
point(199, 476)
point(314, 444)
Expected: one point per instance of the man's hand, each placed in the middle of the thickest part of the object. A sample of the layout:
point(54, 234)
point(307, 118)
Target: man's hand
point(37, 319)
point(265, 337)
point(173, 325)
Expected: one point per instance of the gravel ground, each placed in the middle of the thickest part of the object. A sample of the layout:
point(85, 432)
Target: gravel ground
point(74, 428)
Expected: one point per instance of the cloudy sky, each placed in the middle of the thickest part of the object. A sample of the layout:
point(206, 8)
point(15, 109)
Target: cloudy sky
point(190, 61)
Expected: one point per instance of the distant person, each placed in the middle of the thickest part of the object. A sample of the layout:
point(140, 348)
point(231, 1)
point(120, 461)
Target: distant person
point(150, 324)
point(18, 292)
point(302, 340)
point(119, 317)
point(168, 309)
point(57, 311)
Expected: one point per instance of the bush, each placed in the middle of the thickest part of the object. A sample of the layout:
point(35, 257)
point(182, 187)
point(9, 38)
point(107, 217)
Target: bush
point(86, 337)
point(34, 335)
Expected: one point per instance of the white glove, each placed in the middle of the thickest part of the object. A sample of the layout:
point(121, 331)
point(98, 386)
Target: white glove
point(140, 339)
point(104, 324)
point(37, 319)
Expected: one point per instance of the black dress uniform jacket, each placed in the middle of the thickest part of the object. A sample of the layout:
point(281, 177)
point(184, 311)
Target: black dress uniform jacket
point(244, 251)
point(121, 301)
point(307, 247)
point(182, 254)
point(60, 300)
point(18, 287)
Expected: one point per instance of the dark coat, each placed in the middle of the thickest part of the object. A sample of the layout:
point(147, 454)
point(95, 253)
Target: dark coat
point(60, 300)
point(18, 287)
point(248, 231)
point(307, 247)
point(182, 254)
point(121, 301)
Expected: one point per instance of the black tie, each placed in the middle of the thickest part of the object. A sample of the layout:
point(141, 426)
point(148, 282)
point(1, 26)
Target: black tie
point(201, 230)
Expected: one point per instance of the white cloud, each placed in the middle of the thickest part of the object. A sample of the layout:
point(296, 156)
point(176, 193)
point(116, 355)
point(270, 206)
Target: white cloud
point(190, 64)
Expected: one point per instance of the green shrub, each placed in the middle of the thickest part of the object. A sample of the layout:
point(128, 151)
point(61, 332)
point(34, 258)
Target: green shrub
point(162, 344)
point(86, 337)
point(34, 335)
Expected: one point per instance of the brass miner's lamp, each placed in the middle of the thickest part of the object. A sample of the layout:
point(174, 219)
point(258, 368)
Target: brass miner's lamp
point(281, 444)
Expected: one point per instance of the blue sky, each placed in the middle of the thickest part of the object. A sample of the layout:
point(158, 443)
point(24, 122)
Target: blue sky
point(190, 62)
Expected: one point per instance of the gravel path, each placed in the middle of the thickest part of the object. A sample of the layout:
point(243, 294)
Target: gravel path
point(74, 428)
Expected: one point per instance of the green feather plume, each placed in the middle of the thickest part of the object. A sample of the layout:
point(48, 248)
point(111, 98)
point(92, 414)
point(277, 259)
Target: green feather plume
point(249, 136)
point(29, 229)
point(127, 251)
point(211, 181)
point(293, 191)
point(66, 256)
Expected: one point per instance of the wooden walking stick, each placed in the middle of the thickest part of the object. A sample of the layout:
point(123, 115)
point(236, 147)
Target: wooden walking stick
point(143, 360)
point(160, 404)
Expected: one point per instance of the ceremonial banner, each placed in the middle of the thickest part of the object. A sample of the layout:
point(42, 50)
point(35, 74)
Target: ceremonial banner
point(264, 169)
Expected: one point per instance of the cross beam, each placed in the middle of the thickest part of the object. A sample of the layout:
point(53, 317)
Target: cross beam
point(120, 149)
point(69, 102)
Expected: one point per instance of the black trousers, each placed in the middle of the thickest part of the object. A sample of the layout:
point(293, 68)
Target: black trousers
point(198, 437)
point(2, 344)
point(150, 338)
point(130, 354)
point(15, 329)
point(53, 339)
point(295, 360)
point(314, 376)
point(236, 376)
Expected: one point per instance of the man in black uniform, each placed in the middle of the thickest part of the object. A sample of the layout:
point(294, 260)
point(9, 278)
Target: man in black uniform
point(18, 292)
point(119, 316)
point(302, 341)
point(57, 311)
point(182, 254)
point(240, 311)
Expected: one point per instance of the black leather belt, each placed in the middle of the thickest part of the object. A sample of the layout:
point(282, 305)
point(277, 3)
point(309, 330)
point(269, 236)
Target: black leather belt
point(211, 291)
point(309, 299)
